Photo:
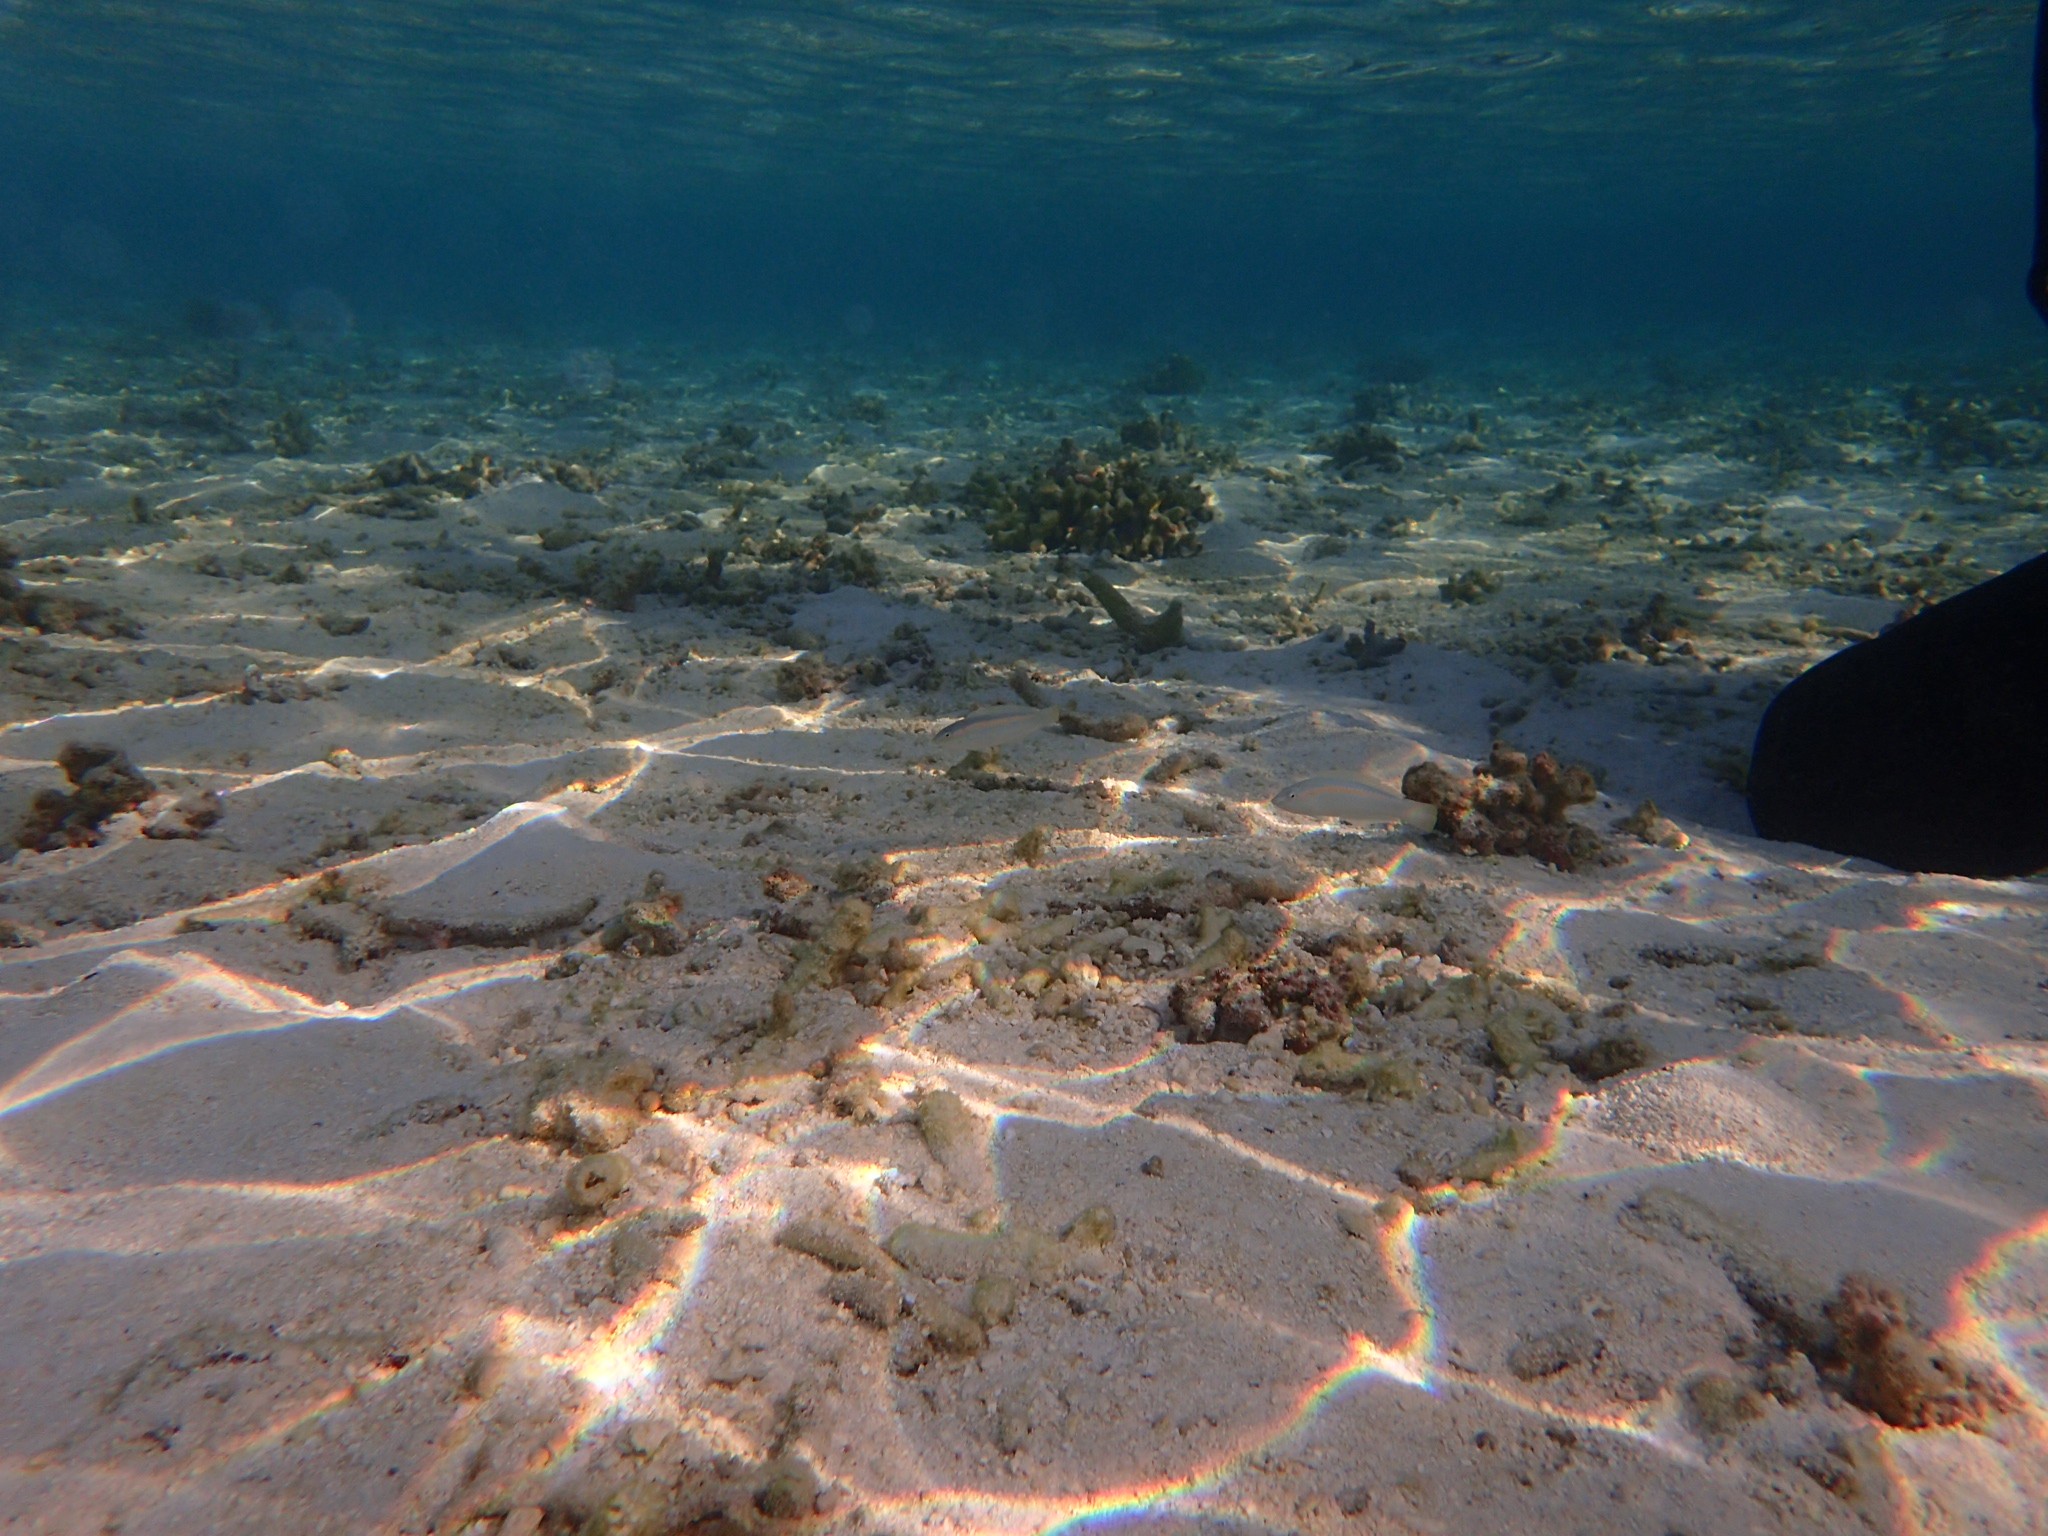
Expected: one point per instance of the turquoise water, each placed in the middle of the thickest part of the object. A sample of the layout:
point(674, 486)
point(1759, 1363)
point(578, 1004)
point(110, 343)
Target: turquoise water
point(1077, 172)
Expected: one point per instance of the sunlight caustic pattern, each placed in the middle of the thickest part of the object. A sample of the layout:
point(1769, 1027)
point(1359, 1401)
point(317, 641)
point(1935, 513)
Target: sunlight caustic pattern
point(629, 1363)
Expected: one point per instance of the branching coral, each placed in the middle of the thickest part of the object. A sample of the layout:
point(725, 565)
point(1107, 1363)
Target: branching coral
point(1358, 444)
point(1078, 503)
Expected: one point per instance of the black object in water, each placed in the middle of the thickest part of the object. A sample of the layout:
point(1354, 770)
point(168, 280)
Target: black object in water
point(2037, 274)
point(1925, 748)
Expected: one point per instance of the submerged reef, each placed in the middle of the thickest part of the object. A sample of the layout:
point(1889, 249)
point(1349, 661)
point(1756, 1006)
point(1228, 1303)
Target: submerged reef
point(1859, 1339)
point(103, 784)
point(1512, 804)
point(1360, 444)
point(408, 487)
point(47, 611)
point(1174, 374)
point(1309, 1000)
point(1956, 431)
point(1081, 504)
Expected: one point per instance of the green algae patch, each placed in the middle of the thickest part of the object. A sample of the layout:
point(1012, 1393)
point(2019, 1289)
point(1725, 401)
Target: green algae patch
point(1329, 1066)
point(1500, 1157)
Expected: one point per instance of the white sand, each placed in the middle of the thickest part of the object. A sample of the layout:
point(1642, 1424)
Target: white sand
point(276, 1257)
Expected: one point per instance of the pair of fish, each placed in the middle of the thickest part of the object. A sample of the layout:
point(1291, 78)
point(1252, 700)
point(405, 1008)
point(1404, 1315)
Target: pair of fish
point(1338, 796)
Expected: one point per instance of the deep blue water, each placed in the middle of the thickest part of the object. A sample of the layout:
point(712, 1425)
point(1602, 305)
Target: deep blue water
point(1069, 174)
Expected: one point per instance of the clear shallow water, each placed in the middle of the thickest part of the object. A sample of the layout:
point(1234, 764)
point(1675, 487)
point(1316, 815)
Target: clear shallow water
point(499, 453)
point(1086, 170)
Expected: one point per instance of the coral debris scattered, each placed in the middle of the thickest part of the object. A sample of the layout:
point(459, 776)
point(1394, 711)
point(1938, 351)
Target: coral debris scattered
point(103, 784)
point(1512, 804)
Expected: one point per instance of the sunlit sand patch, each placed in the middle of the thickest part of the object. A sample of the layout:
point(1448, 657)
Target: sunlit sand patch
point(600, 799)
point(1706, 1111)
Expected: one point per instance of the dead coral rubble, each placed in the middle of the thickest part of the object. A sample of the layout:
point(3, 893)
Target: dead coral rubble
point(1306, 996)
point(1899, 1374)
point(1860, 1338)
point(1358, 445)
point(49, 612)
point(103, 784)
point(1159, 633)
point(1511, 804)
point(408, 487)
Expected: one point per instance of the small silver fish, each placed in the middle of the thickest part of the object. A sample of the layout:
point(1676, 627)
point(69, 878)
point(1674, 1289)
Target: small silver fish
point(1346, 798)
point(987, 729)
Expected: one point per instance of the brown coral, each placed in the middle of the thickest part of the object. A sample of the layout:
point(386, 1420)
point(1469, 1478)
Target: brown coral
point(1511, 804)
point(1077, 502)
point(1899, 1374)
point(49, 612)
point(103, 783)
point(1235, 1004)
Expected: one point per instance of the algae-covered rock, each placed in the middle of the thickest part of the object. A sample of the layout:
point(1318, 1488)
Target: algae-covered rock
point(1654, 827)
point(1130, 726)
point(825, 959)
point(1154, 634)
point(1174, 374)
point(645, 927)
point(103, 784)
point(1899, 1373)
point(956, 1136)
point(590, 1104)
point(1511, 804)
point(995, 1300)
point(938, 1253)
point(789, 1489)
point(1296, 993)
point(842, 1246)
point(948, 1329)
point(640, 1508)
point(1721, 1405)
point(1499, 1157)
point(641, 1249)
point(594, 1182)
point(1329, 1066)
point(1093, 1228)
point(1513, 1047)
point(871, 1298)
point(1524, 1010)
point(356, 935)
point(189, 816)
point(1032, 847)
point(1013, 1418)
point(50, 613)
point(1610, 1056)
point(1471, 585)
point(1360, 445)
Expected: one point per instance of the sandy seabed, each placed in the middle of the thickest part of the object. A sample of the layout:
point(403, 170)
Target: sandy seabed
point(1066, 1137)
